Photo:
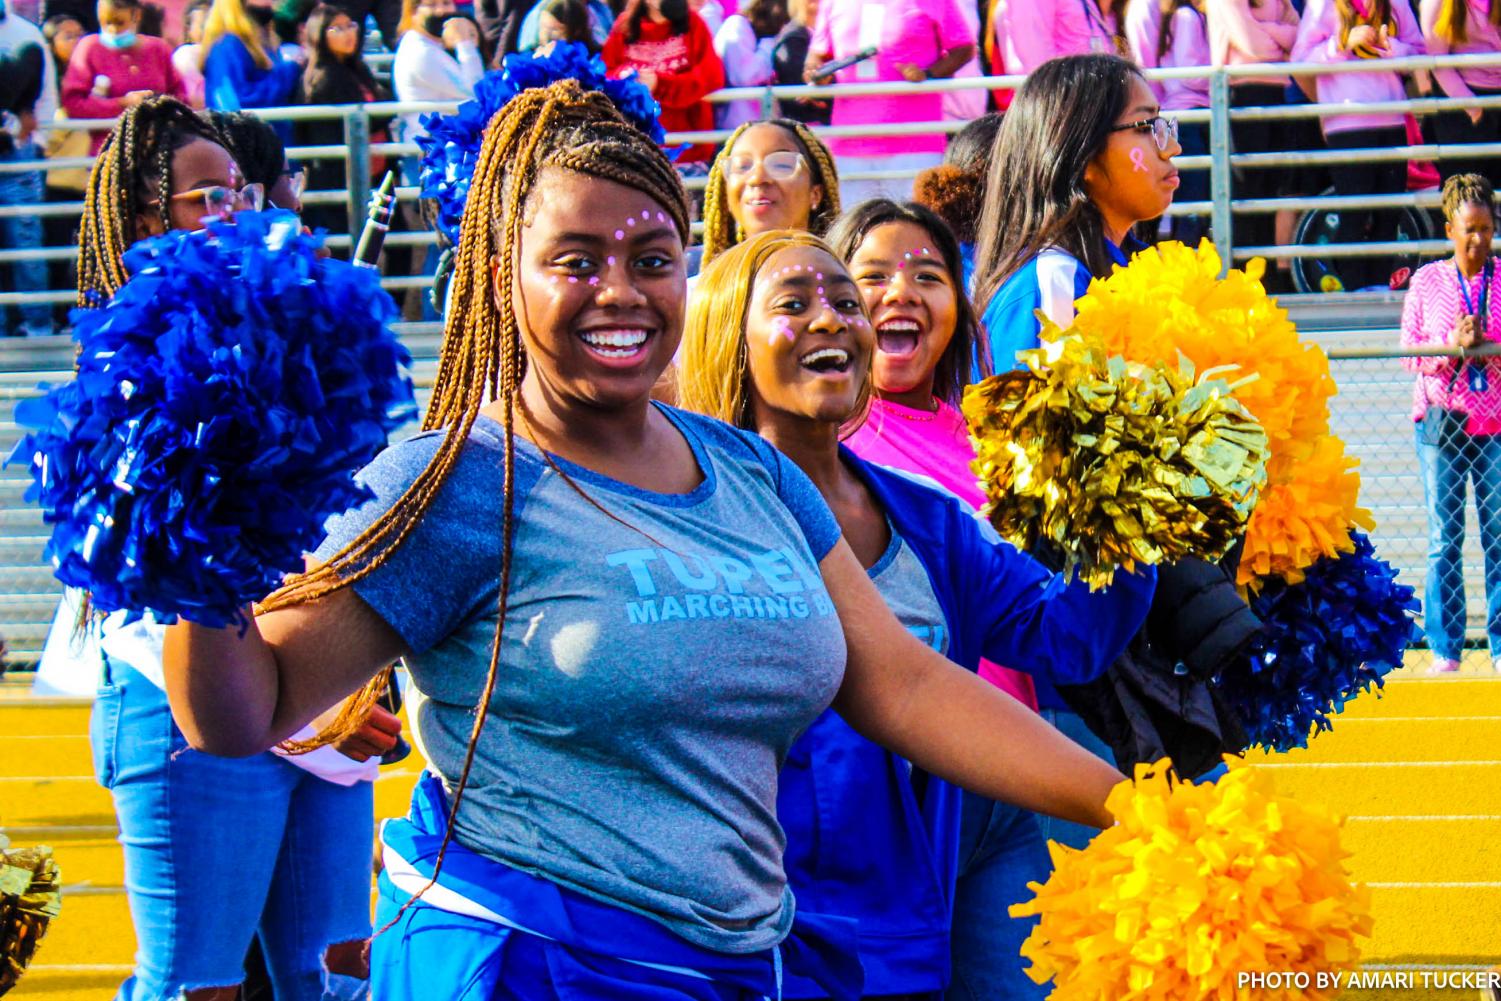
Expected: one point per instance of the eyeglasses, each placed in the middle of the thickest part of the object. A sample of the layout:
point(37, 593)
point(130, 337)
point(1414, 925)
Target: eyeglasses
point(1164, 130)
point(782, 165)
point(221, 202)
point(341, 29)
point(296, 182)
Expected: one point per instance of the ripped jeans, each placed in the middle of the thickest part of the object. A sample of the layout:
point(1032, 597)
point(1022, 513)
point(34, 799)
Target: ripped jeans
point(218, 850)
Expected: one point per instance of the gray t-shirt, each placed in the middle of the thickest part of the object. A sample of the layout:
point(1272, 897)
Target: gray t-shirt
point(904, 585)
point(654, 672)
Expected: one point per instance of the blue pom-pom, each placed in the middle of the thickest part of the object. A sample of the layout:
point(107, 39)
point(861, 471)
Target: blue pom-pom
point(451, 147)
point(1326, 640)
point(224, 399)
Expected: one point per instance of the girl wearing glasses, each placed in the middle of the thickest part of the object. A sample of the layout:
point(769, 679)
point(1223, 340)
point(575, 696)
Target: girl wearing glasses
point(218, 851)
point(769, 175)
point(1082, 157)
point(1337, 31)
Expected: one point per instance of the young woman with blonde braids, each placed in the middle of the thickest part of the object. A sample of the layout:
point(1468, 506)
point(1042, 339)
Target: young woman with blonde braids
point(617, 617)
point(769, 175)
point(217, 852)
point(869, 837)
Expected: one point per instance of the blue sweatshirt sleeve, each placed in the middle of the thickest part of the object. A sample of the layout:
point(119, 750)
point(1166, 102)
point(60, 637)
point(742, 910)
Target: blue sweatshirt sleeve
point(232, 80)
point(1033, 621)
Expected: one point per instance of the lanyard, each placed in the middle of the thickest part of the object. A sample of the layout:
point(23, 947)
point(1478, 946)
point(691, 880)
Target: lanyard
point(1482, 312)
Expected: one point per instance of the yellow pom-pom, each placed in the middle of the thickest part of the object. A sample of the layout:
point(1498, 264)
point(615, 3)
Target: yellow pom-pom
point(1111, 462)
point(1194, 885)
point(1170, 300)
point(1305, 513)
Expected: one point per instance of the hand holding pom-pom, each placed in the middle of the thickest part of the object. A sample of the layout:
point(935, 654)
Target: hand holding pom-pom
point(1193, 885)
point(224, 399)
point(1114, 462)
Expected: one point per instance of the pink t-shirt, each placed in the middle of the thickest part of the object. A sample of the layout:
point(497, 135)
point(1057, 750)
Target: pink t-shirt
point(937, 446)
point(1432, 307)
point(907, 32)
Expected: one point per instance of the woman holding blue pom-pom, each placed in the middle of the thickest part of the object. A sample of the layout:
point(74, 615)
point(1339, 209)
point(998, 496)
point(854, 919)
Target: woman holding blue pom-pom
point(217, 850)
point(617, 618)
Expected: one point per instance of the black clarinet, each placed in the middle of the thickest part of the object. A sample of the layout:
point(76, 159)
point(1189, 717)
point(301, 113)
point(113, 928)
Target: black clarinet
point(377, 223)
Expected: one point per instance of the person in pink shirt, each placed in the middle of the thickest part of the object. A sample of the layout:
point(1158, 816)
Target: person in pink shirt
point(118, 68)
point(1457, 27)
point(1172, 35)
point(1030, 32)
point(1242, 32)
point(907, 266)
point(1338, 31)
point(916, 40)
point(1456, 408)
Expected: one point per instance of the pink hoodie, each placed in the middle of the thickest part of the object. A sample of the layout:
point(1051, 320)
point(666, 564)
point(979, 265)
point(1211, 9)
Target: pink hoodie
point(1318, 42)
point(1483, 37)
point(1030, 32)
point(1241, 34)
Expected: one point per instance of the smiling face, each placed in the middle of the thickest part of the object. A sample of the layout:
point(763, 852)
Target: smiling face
point(808, 342)
point(769, 182)
point(1131, 180)
point(1471, 229)
point(913, 304)
point(600, 289)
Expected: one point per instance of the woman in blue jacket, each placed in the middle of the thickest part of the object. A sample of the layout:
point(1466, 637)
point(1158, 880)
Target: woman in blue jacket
point(242, 65)
point(868, 837)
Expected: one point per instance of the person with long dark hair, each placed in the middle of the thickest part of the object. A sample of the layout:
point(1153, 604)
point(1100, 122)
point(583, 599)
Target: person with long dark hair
point(671, 51)
point(336, 73)
point(1083, 156)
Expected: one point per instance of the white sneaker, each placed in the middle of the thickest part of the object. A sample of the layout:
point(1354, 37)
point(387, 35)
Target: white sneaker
point(1443, 665)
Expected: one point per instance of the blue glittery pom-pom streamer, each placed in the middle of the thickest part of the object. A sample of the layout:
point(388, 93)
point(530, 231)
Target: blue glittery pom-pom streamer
point(1325, 640)
point(224, 399)
point(451, 147)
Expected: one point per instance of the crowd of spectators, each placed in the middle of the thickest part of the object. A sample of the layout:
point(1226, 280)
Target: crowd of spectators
point(94, 58)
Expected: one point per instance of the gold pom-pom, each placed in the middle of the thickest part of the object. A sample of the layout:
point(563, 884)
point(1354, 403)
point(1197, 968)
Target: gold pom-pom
point(1193, 886)
point(1114, 463)
point(30, 897)
point(1171, 301)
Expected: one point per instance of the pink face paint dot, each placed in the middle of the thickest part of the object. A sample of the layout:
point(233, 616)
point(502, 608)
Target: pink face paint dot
point(819, 276)
point(631, 221)
point(661, 218)
point(820, 291)
point(901, 264)
point(573, 279)
point(610, 260)
point(645, 215)
point(620, 234)
point(594, 280)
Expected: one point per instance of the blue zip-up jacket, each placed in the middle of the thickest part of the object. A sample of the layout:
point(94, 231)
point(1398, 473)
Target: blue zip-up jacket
point(859, 844)
point(232, 81)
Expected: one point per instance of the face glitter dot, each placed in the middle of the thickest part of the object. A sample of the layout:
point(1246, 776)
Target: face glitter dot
point(610, 260)
point(573, 279)
point(594, 280)
point(661, 218)
point(645, 215)
point(620, 234)
point(631, 221)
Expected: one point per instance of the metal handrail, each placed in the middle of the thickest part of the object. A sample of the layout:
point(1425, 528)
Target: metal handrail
point(357, 151)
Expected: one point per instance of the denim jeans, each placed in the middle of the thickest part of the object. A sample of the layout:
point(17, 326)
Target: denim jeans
point(1446, 469)
point(24, 232)
point(1066, 832)
point(218, 850)
point(1001, 849)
